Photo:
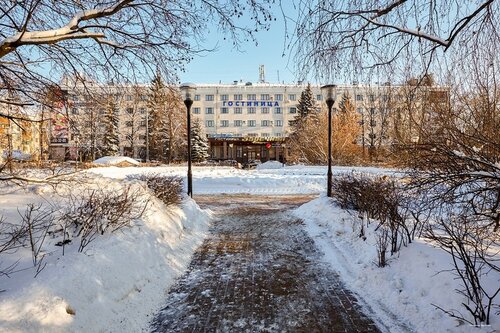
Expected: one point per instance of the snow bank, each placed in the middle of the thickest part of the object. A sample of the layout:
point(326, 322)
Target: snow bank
point(116, 160)
point(114, 285)
point(270, 165)
point(402, 292)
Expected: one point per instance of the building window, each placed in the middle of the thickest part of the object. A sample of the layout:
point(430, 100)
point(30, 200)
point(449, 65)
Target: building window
point(209, 98)
point(129, 123)
point(278, 97)
point(130, 110)
point(279, 123)
point(143, 98)
point(209, 123)
point(237, 123)
point(253, 135)
point(265, 97)
point(238, 110)
point(359, 97)
point(265, 110)
point(372, 98)
point(196, 110)
point(265, 135)
point(238, 97)
point(292, 110)
point(360, 110)
point(224, 97)
point(265, 123)
point(224, 123)
point(372, 111)
point(319, 97)
point(252, 123)
point(279, 135)
point(385, 98)
point(292, 97)
point(142, 110)
point(209, 110)
point(74, 111)
point(129, 97)
point(196, 97)
point(224, 110)
point(143, 123)
point(251, 97)
point(277, 110)
point(102, 111)
point(142, 137)
point(239, 151)
point(252, 110)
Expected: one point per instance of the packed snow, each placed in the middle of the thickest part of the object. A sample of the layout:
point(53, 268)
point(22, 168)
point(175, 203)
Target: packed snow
point(120, 280)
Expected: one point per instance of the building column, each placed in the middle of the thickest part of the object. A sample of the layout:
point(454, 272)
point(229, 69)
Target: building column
point(224, 150)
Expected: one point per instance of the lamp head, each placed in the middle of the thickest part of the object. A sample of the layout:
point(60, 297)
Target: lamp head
point(329, 91)
point(187, 91)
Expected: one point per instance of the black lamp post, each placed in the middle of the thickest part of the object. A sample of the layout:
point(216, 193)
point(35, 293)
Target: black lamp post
point(329, 95)
point(187, 90)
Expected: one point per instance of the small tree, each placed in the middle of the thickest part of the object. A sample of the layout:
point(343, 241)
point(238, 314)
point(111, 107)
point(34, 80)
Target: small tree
point(110, 137)
point(199, 142)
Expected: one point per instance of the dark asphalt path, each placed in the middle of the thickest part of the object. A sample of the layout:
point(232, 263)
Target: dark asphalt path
point(259, 271)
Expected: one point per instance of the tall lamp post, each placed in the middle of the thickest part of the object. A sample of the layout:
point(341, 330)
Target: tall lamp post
point(328, 92)
point(187, 91)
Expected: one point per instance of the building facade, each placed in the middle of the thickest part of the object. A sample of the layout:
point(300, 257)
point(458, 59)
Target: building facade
point(242, 121)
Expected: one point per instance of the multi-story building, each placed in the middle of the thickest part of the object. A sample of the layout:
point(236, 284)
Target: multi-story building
point(243, 121)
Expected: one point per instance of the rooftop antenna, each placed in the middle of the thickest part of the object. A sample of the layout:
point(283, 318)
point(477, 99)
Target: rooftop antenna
point(278, 76)
point(262, 74)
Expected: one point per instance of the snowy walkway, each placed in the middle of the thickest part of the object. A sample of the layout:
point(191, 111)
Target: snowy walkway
point(259, 271)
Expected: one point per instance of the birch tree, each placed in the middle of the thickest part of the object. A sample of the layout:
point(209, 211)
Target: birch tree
point(123, 40)
point(346, 36)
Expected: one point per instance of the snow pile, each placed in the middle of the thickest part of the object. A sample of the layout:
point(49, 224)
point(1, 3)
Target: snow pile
point(114, 285)
point(406, 289)
point(270, 165)
point(116, 160)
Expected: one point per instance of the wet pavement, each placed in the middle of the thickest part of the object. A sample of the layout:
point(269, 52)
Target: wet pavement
point(259, 271)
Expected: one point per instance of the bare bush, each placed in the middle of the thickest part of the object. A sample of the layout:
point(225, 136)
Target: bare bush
point(166, 188)
point(94, 212)
point(382, 242)
point(37, 220)
point(383, 199)
point(475, 253)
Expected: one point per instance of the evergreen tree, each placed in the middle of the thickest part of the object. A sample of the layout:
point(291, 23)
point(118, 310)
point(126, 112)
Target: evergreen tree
point(199, 142)
point(307, 103)
point(110, 138)
point(306, 108)
point(157, 136)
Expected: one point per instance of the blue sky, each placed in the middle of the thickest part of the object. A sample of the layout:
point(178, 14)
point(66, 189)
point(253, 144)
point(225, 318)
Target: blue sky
point(227, 64)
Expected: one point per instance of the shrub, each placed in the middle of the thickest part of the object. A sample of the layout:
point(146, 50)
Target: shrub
point(166, 188)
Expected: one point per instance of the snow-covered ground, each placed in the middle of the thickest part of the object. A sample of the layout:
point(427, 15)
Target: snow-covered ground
point(118, 281)
point(403, 292)
point(121, 278)
point(266, 181)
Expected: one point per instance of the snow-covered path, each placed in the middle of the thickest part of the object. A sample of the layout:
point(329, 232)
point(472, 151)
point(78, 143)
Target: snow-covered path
point(259, 271)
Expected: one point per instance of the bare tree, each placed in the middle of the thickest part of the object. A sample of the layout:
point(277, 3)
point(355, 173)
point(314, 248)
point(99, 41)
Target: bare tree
point(348, 35)
point(40, 41)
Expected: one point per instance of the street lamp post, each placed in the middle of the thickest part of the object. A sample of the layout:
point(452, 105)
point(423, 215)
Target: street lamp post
point(187, 90)
point(329, 94)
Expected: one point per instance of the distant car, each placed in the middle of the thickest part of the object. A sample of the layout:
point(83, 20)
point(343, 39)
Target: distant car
point(252, 164)
point(232, 163)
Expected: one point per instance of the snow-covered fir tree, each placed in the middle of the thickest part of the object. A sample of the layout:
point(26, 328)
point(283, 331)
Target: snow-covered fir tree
point(199, 142)
point(307, 103)
point(110, 137)
point(157, 135)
